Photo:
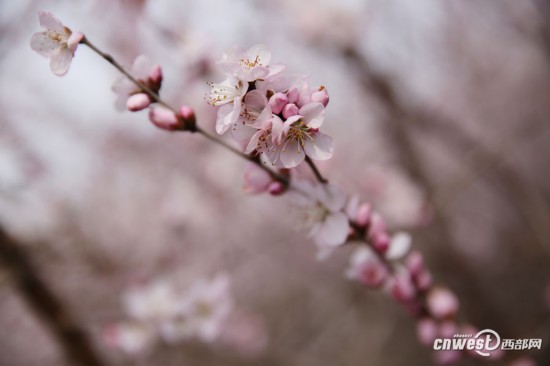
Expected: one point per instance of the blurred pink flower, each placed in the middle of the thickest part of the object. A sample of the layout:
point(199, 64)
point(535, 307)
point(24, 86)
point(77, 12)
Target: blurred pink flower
point(56, 42)
point(320, 212)
point(367, 268)
point(442, 303)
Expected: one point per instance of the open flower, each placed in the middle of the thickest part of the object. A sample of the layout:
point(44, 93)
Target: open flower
point(56, 42)
point(248, 65)
point(228, 94)
point(320, 212)
point(301, 137)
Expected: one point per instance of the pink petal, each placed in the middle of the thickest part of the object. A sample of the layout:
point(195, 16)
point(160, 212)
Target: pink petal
point(320, 148)
point(333, 197)
point(60, 61)
point(255, 100)
point(314, 114)
point(240, 131)
point(333, 231)
point(253, 143)
point(49, 21)
point(261, 51)
point(291, 155)
point(399, 246)
point(141, 67)
point(44, 45)
point(276, 129)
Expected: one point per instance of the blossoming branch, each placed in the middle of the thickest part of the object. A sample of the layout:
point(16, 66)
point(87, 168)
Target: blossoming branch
point(276, 119)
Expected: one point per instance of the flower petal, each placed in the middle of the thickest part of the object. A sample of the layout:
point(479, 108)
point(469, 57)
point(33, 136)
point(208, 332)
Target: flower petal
point(333, 231)
point(43, 44)
point(255, 101)
point(223, 120)
point(60, 61)
point(292, 154)
point(49, 21)
point(320, 148)
point(314, 114)
point(259, 52)
point(399, 246)
point(253, 143)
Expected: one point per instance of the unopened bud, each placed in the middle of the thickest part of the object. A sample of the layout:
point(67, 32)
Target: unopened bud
point(276, 188)
point(164, 118)
point(320, 96)
point(442, 303)
point(363, 216)
point(138, 102)
point(293, 95)
point(155, 75)
point(277, 102)
point(290, 110)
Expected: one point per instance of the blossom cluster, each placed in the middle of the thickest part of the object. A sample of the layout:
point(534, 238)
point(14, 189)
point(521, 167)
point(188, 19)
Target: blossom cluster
point(270, 112)
point(160, 311)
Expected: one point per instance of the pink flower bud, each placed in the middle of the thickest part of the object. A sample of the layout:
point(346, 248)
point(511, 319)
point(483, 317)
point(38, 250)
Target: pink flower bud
point(164, 118)
point(447, 329)
point(187, 113)
point(320, 96)
point(290, 110)
point(363, 216)
point(380, 242)
point(377, 225)
point(276, 188)
point(423, 280)
point(293, 95)
point(402, 288)
point(426, 331)
point(442, 303)
point(415, 263)
point(138, 102)
point(155, 75)
point(277, 102)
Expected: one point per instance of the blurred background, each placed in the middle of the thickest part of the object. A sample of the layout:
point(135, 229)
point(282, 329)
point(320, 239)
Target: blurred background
point(440, 115)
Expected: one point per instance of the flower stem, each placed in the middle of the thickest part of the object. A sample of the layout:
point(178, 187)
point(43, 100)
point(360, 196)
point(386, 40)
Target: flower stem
point(156, 98)
point(316, 171)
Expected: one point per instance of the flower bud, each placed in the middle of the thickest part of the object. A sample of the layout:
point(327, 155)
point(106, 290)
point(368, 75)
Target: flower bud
point(402, 288)
point(442, 303)
point(155, 75)
point(380, 242)
point(138, 102)
point(276, 188)
point(415, 263)
point(426, 331)
point(363, 216)
point(293, 95)
point(320, 96)
point(290, 110)
point(187, 113)
point(164, 118)
point(277, 102)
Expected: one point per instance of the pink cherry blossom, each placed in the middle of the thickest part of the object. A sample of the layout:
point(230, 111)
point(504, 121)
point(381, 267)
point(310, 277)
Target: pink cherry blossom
point(301, 137)
point(248, 65)
point(56, 42)
point(320, 212)
point(442, 303)
point(206, 308)
point(228, 94)
point(132, 338)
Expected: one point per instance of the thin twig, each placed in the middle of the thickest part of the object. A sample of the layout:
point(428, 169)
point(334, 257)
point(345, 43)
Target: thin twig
point(316, 171)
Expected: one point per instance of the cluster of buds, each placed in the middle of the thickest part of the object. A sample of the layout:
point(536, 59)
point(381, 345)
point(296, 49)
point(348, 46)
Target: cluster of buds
point(160, 311)
point(271, 113)
point(138, 97)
